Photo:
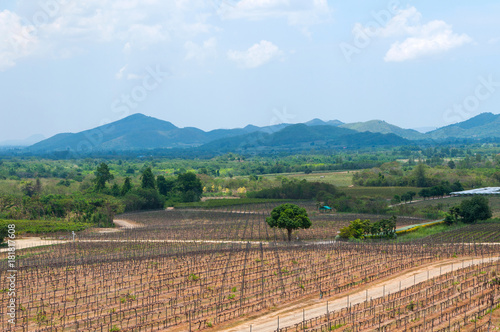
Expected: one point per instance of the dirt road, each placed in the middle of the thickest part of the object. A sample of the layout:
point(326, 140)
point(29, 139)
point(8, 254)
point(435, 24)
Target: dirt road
point(33, 242)
point(30, 242)
point(314, 308)
point(127, 224)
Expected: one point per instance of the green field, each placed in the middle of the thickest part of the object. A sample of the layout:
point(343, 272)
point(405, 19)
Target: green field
point(340, 179)
point(445, 204)
point(44, 226)
point(385, 192)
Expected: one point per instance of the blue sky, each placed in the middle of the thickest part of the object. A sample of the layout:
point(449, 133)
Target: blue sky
point(67, 66)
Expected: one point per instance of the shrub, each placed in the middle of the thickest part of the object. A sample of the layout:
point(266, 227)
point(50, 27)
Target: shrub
point(3, 232)
point(474, 209)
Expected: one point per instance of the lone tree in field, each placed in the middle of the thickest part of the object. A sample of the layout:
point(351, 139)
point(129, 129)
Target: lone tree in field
point(290, 217)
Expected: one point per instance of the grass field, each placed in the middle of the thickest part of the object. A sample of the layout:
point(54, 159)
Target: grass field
point(44, 226)
point(385, 192)
point(340, 179)
point(446, 203)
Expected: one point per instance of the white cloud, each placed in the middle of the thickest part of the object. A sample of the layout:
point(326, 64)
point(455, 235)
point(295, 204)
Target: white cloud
point(141, 35)
point(494, 41)
point(16, 40)
point(201, 52)
point(415, 47)
point(256, 56)
point(66, 28)
point(297, 12)
point(421, 38)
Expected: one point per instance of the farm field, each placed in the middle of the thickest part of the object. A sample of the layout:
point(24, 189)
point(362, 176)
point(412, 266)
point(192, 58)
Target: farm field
point(198, 269)
point(448, 202)
point(385, 192)
point(113, 286)
point(241, 223)
point(340, 178)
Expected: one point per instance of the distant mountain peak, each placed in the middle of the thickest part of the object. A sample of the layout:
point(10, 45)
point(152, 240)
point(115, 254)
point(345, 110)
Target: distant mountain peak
point(484, 125)
point(319, 122)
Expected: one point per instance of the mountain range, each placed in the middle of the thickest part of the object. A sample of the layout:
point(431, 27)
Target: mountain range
point(140, 132)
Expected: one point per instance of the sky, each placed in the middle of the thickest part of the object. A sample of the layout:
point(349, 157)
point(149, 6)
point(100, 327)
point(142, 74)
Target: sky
point(68, 66)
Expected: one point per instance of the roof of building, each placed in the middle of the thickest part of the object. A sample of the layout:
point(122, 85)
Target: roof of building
point(479, 191)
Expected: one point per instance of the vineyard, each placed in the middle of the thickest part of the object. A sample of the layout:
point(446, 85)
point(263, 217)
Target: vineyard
point(453, 301)
point(186, 270)
point(488, 232)
point(241, 223)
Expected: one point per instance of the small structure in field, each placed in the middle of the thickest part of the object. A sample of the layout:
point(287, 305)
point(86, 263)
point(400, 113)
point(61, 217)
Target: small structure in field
point(478, 191)
point(325, 209)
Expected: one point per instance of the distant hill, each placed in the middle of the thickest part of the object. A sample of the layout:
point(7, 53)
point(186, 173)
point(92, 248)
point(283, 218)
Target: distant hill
point(319, 122)
point(379, 126)
point(424, 130)
point(301, 136)
point(484, 125)
point(140, 132)
point(23, 142)
point(128, 133)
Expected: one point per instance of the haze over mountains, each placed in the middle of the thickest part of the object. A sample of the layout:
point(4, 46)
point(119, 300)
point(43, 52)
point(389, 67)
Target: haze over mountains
point(140, 132)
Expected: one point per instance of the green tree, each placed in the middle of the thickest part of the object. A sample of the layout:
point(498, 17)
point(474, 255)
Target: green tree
point(420, 178)
point(358, 229)
point(456, 186)
point(396, 199)
point(127, 186)
point(165, 186)
point(452, 216)
point(115, 190)
point(289, 216)
point(102, 175)
point(189, 187)
point(148, 179)
point(4, 232)
point(474, 209)
point(28, 188)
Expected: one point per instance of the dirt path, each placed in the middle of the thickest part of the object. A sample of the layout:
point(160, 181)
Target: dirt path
point(127, 223)
point(33, 242)
point(289, 316)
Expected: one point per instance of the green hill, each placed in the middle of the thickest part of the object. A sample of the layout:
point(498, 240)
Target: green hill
point(484, 125)
point(302, 137)
point(379, 126)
